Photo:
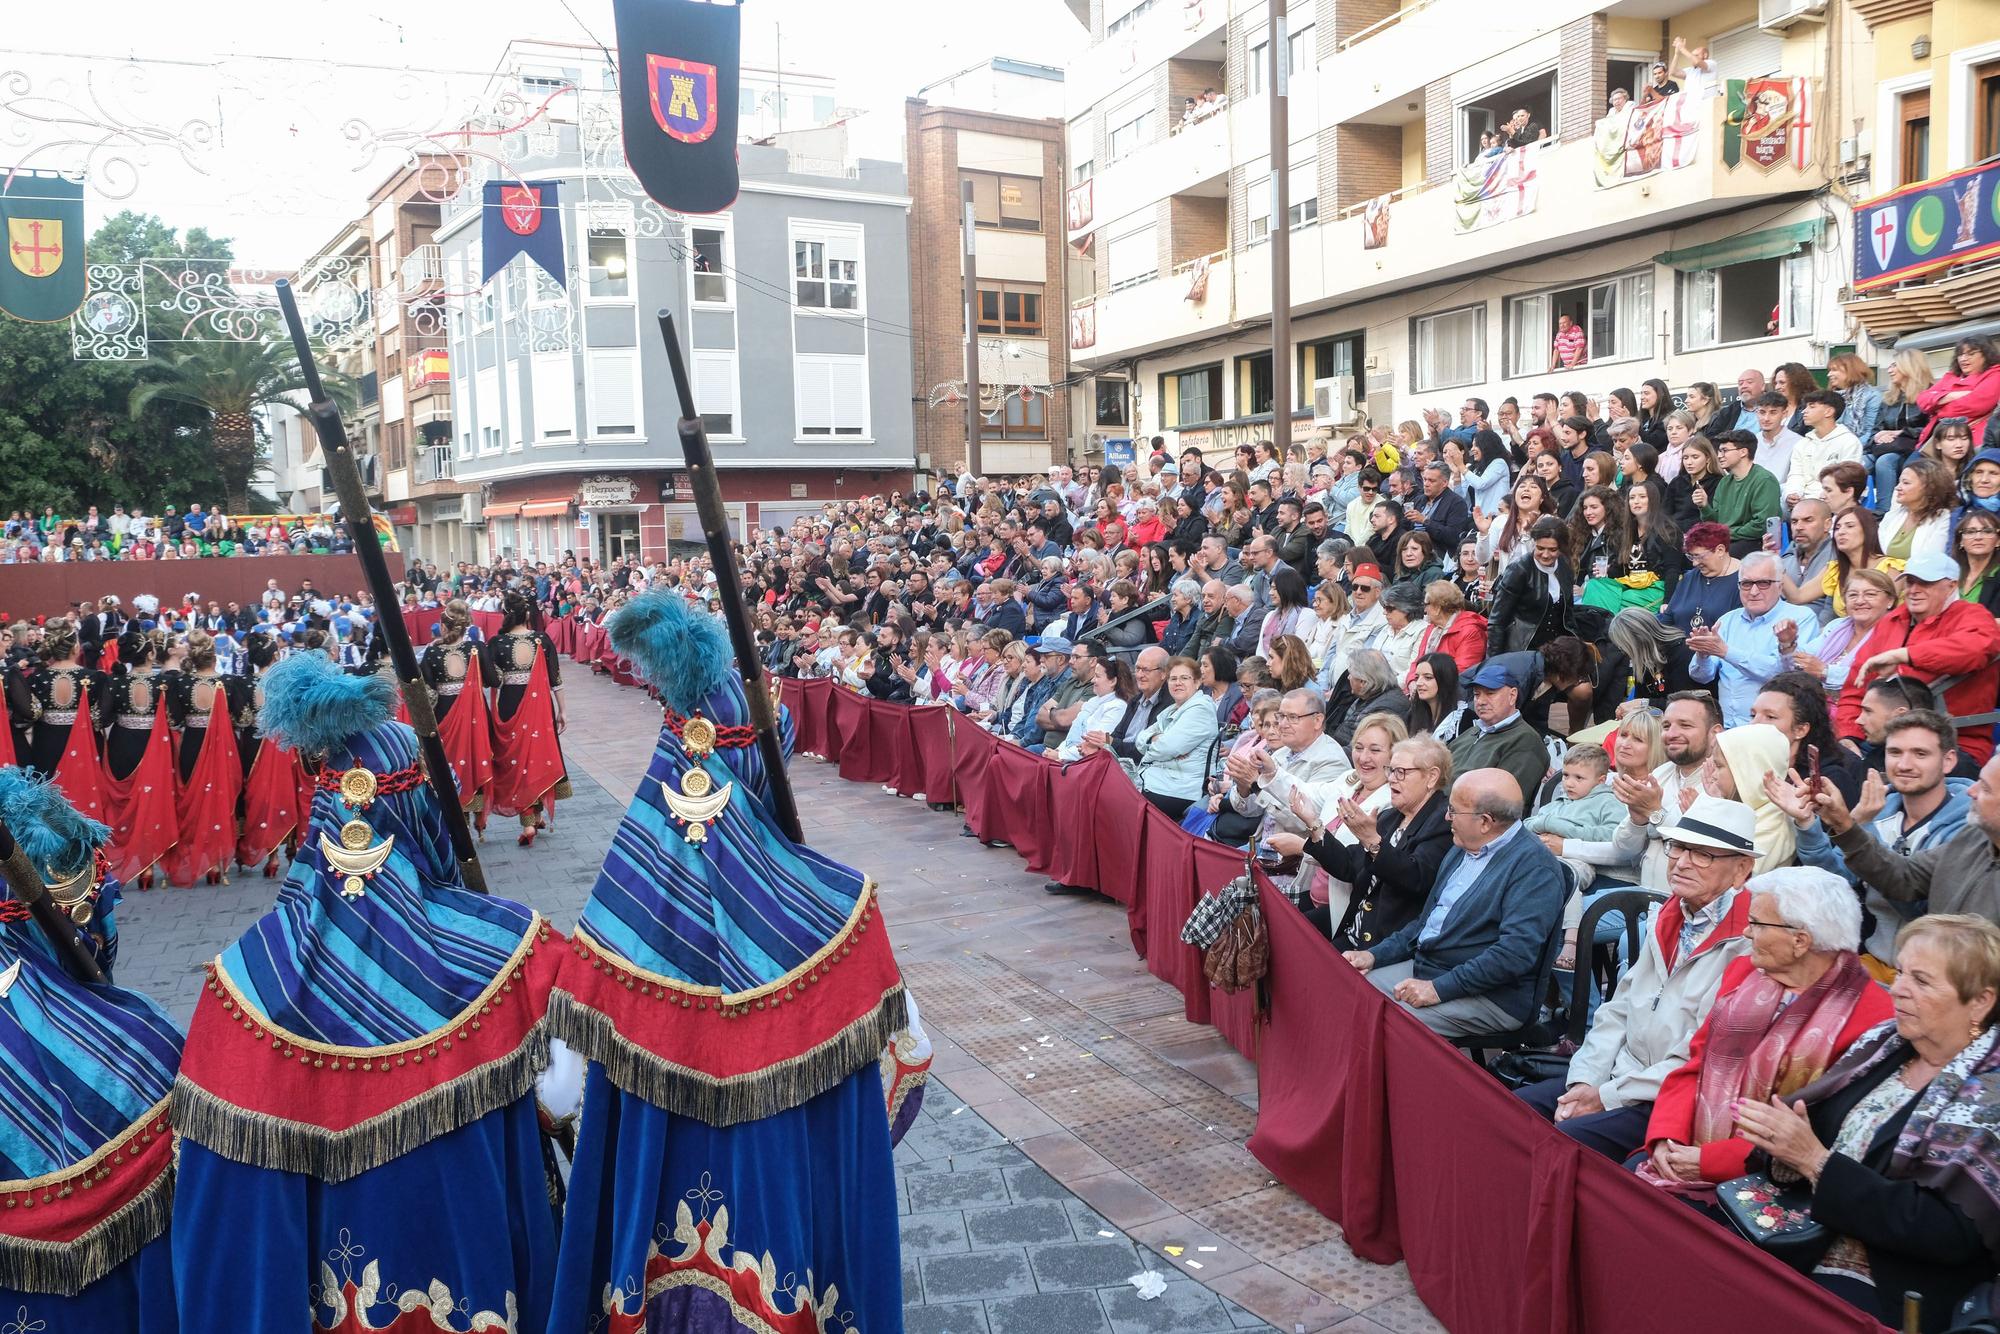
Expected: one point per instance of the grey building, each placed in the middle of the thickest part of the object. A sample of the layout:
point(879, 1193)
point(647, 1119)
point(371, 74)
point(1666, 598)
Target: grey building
point(795, 310)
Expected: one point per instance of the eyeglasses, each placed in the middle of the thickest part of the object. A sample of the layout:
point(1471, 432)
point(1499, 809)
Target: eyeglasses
point(1299, 717)
point(1756, 583)
point(1770, 926)
point(1402, 771)
point(1452, 813)
point(1701, 858)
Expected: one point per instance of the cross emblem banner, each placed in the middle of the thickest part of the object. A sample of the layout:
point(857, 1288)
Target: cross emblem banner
point(44, 277)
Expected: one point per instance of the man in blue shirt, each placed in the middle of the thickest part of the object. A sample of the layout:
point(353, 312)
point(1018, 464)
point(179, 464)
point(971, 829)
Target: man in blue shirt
point(1467, 964)
point(1754, 642)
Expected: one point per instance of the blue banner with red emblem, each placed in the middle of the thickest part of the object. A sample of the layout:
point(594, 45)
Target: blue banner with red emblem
point(521, 218)
point(1932, 225)
point(679, 66)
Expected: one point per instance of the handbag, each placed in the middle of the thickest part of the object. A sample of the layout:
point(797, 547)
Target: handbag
point(1242, 954)
point(1776, 1218)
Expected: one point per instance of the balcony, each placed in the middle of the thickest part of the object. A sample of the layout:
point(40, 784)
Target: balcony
point(1330, 268)
point(1191, 29)
point(422, 270)
point(1194, 161)
point(436, 463)
point(1386, 64)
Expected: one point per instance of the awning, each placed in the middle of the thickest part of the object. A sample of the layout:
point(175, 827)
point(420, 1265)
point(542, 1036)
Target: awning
point(1947, 335)
point(545, 509)
point(1770, 243)
point(501, 511)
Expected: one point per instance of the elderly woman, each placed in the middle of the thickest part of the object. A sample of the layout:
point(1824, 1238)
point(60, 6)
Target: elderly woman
point(1174, 748)
point(1871, 595)
point(1897, 1138)
point(1708, 589)
point(1403, 608)
point(1782, 1016)
point(1395, 854)
point(1184, 603)
point(1366, 785)
point(1449, 628)
point(1369, 686)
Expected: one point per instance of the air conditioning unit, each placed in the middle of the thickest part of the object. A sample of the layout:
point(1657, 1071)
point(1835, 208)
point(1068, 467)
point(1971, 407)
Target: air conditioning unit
point(470, 511)
point(1780, 15)
point(1333, 401)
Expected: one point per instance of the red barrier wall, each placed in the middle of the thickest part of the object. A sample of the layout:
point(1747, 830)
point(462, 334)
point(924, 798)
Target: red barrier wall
point(48, 590)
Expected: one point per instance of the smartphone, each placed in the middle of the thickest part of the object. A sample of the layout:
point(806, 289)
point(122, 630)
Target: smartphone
point(1812, 770)
point(1774, 531)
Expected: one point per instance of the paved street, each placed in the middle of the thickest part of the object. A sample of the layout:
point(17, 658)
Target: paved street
point(1077, 1131)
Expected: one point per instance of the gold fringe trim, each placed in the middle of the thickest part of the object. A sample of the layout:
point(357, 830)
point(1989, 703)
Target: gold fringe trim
point(260, 1139)
point(66, 1268)
point(727, 1101)
point(76, 1171)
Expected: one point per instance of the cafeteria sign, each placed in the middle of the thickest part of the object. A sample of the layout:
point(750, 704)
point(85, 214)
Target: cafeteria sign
point(1928, 226)
point(599, 492)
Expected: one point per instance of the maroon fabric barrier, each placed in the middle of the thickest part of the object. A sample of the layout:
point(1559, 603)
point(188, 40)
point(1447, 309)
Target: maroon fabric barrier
point(592, 643)
point(562, 633)
point(927, 760)
point(1505, 1224)
point(421, 622)
point(489, 622)
point(27, 591)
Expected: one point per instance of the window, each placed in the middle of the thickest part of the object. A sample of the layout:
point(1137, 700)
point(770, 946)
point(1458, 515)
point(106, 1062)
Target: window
point(1190, 397)
point(1110, 404)
point(1012, 418)
point(1011, 308)
point(1304, 56)
point(1303, 203)
point(1080, 172)
point(1134, 258)
point(610, 267)
point(1616, 316)
point(1740, 302)
point(1498, 112)
point(1124, 23)
point(826, 266)
point(832, 395)
point(1253, 384)
point(1985, 111)
point(1627, 74)
point(553, 381)
point(1328, 359)
point(1132, 128)
point(614, 395)
point(715, 390)
point(1913, 136)
point(709, 264)
point(1448, 349)
point(1254, 69)
point(1010, 202)
point(516, 411)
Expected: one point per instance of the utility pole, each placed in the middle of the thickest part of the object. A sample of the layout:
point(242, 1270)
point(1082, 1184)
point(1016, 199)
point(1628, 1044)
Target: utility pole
point(1277, 77)
point(968, 255)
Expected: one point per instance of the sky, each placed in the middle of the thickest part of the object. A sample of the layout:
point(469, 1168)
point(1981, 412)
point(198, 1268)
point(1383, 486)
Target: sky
point(314, 99)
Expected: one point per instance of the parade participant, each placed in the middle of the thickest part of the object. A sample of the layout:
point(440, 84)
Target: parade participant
point(277, 794)
point(206, 708)
point(528, 772)
point(69, 703)
point(356, 1103)
point(451, 668)
point(732, 991)
point(86, 1163)
point(139, 759)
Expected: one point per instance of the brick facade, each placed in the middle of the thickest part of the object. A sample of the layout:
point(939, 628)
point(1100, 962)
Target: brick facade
point(1441, 149)
point(936, 286)
point(1352, 16)
point(1580, 77)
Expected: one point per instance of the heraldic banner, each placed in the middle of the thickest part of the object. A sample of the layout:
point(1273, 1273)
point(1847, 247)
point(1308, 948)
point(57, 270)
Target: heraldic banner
point(1498, 188)
point(1928, 226)
point(521, 218)
point(679, 64)
point(1636, 141)
point(42, 276)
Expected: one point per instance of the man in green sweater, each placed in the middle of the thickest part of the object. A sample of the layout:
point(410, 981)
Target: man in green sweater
point(1502, 738)
point(1746, 497)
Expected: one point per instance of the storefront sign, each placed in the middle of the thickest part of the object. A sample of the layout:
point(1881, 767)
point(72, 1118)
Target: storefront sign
point(403, 515)
point(798, 490)
point(1932, 225)
point(598, 492)
point(1119, 453)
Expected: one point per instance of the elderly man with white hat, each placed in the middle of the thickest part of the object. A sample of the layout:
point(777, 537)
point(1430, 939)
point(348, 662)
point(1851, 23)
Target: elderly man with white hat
point(1642, 1033)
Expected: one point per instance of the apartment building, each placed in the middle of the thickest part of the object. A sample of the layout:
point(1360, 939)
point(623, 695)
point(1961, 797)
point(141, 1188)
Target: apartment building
point(1014, 164)
point(1423, 269)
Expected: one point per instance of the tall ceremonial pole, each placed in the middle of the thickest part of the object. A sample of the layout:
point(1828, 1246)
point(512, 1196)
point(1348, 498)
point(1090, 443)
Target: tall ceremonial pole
point(360, 519)
point(715, 527)
point(25, 879)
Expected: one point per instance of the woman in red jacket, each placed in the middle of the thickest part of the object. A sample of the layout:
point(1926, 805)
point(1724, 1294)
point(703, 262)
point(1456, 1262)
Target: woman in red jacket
point(1782, 1015)
point(1970, 389)
point(1453, 629)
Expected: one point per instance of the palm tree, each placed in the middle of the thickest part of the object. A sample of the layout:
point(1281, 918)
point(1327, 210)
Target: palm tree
point(230, 380)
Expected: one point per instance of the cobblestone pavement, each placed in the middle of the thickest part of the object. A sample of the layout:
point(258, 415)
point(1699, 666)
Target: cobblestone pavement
point(1070, 1096)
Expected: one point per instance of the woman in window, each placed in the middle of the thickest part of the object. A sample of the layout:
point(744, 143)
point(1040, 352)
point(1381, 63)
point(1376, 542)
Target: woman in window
point(1794, 382)
point(1655, 402)
point(1900, 422)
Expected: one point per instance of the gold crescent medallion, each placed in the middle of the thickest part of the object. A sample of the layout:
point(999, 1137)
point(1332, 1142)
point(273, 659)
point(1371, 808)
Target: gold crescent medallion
point(697, 803)
point(353, 858)
point(72, 892)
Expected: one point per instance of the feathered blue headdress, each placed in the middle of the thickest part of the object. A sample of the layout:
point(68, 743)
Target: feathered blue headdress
point(312, 706)
point(681, 651)
point(56, 836)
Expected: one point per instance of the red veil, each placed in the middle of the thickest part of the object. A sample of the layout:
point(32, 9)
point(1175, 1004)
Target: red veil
point(144, 820)
point(207, 804)
point(277, 801)
point(467, 735)
point(527, 761)
point(78, 773)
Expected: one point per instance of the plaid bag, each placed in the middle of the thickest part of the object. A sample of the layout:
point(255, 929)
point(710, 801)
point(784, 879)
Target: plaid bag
point(1216, 911)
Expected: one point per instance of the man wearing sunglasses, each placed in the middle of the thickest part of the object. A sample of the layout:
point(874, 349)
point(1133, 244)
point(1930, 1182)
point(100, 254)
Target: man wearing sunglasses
point(1754, 642)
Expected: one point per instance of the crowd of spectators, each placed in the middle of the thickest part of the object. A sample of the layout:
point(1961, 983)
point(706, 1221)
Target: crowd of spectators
point(129, 534)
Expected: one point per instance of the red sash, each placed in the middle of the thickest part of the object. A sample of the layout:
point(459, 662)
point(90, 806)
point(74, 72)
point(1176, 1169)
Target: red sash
point(271, 809)
point(207, 805)
point(527, 762)
point(467, 736)
point(78, 773)
point(144, 821)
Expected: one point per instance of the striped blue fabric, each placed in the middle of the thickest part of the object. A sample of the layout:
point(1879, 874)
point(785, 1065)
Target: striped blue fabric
point(78, 1063)
point(738, 911)
point(402, 959)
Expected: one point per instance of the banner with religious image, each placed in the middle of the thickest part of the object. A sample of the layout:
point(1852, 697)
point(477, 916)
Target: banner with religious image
point(1375, 223)
point(1931, 225)
point(1636, 141)
point(1497, 188)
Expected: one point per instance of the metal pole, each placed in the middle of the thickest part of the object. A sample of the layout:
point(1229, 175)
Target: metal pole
point(340, 467)
point(1278, 78)
point(722, 555)
point(968, 250)
point(25, 879)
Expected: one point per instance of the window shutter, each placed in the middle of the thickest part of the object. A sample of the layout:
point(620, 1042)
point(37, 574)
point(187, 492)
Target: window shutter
point(850, 395)
point(843, 245)
point(613, 404)
point(555, 396)
point(815, 395)
point(1749, 54)
point(715, 386)
point(488, 399)
point(516, 417)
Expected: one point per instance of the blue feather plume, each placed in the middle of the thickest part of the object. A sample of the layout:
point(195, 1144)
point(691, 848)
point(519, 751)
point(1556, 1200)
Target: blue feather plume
point(311, 705)
point(56, 836)
point(682, 651)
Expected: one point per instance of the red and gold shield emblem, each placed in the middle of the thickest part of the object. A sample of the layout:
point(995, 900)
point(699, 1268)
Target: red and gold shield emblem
point(521, 209)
